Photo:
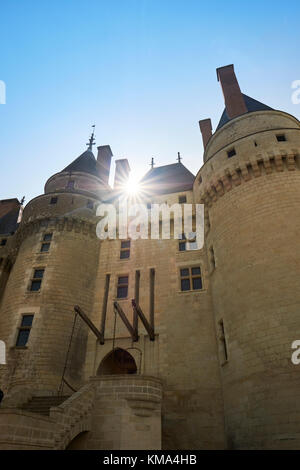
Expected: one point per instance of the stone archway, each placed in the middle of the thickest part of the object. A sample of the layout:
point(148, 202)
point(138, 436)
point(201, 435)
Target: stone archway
point(79, 442)
point(117, 361)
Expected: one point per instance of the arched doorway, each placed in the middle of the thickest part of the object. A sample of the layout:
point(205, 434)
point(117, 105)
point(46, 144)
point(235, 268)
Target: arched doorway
point(118, 361)
point(79, 441)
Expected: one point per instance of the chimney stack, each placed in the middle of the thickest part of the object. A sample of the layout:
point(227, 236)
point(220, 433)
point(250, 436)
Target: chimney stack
point(104, 161)
point(234, 100)
point(121, 173)
point(206, 130)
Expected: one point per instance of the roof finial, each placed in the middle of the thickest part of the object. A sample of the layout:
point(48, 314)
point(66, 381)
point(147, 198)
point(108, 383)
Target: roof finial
point(92, 139)
point(152, 163)
point(179, 158)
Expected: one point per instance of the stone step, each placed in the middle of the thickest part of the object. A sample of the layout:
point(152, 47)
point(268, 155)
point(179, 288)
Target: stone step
point(42, 405)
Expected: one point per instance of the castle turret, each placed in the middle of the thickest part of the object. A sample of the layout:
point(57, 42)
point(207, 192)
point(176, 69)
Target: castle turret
point(250, 184)
point(55, 269)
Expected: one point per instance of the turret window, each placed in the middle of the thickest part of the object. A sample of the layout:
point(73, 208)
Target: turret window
point(71, 185)
point(24, 331)
point(182, 199)
point(223, 342)
point(53, 200)
point(280, 137)
point(231, 153)
point(46, 242)
point(36, 281)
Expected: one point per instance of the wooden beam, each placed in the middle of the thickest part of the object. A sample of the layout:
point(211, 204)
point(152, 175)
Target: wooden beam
point(90, 324)
point(145, 322)
point(132, 331)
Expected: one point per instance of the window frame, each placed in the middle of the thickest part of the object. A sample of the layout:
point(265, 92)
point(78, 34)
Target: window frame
point(125, 249)
point(122, 284)
point(190, 277)
point(46, 241)
point(35, 279)
point(24, 328)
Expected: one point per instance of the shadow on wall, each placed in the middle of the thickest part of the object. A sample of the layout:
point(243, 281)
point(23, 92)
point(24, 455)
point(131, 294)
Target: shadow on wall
point(117, 361)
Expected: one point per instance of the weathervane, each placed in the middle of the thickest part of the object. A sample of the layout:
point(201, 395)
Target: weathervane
point(179, 157)
point(92, 139)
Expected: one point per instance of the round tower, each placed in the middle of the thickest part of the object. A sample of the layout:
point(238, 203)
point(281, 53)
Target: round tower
point(250, 185)
point(55, 270)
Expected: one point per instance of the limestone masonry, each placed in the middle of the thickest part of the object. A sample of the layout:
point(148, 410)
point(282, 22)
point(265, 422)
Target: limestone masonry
point(202, 359)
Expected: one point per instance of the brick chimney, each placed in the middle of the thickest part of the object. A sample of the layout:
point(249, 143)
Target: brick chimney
point(206, 130)
point(234, 100)
point(104, 161)
point(121, 173)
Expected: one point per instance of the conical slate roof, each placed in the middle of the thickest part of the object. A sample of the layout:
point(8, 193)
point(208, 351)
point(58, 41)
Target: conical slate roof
point(86, 163)
point(251, 104)
point(167, 179)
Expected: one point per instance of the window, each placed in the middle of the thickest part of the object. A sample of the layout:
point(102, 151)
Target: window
point(125, 249)
point(3, 242)
point(47, 237)
point(190, 279)
point(281, 138)
point(53, 200)
point(182, 199)
point(223, 341)
point(24, 331)
point(231, 153)
point(71, 185)
point(45, 247)
point(149, 205)
point(188, 244)
point(182, 243)
point(212, 258)
point(90, 204)
point(46, 242)
point(122, 288)
point(36, 281)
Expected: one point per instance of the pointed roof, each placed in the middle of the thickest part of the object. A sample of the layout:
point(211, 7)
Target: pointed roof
point(167, 179)
point(86, 163)
point(252, 106)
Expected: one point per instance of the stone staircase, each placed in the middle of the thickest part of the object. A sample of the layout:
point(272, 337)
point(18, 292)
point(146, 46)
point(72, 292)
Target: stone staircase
point(41, 405)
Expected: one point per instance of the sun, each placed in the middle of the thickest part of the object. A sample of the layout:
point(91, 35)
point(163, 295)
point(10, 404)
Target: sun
point(132, 186)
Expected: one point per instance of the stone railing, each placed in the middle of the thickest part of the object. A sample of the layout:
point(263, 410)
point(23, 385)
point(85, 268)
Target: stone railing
point(73, 416)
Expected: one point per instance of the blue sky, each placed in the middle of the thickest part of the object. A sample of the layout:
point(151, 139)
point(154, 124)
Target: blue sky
point(142, 70)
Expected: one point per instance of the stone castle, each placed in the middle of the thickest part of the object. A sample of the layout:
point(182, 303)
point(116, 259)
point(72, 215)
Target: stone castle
point(202, 358)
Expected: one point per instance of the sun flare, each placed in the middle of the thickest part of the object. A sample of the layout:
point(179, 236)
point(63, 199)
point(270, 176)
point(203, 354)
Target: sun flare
point(132, 186)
